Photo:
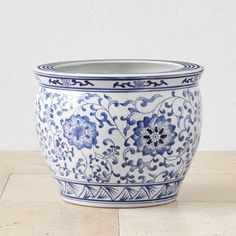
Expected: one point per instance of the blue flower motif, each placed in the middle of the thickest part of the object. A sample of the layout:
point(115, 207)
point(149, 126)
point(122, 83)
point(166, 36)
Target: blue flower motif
point(154, 135)
point(66, 82)
point(80, 132)
point(139, 83)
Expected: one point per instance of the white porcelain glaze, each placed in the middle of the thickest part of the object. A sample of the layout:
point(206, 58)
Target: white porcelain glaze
point(119, 133)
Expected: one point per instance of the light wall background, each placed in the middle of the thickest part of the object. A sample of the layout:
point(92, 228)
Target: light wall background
point(34, 32)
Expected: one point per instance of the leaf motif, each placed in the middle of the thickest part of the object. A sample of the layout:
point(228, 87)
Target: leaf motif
point(110, 131)
point(108, 97)
point(167, 105)
point(127, 102)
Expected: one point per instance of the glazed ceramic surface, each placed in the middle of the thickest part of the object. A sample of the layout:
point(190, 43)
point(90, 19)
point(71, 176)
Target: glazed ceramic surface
point(119, 133)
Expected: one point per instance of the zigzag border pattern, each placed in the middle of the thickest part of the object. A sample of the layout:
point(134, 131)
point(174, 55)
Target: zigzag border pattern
point(119, 193)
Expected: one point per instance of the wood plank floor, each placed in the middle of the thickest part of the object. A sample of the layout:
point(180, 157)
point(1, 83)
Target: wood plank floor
point(30, 204)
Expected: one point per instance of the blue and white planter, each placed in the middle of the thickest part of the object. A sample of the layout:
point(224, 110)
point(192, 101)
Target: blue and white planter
point(119, 133)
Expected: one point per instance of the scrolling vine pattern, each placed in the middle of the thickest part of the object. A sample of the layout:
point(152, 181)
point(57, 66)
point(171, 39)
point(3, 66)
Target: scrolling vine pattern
point(140, 84)
point(70, 82)
point(153, 140)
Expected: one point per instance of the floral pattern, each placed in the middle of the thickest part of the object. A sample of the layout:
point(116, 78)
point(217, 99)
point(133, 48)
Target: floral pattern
point(105, 138)
point(154, 135)
point(80, 132)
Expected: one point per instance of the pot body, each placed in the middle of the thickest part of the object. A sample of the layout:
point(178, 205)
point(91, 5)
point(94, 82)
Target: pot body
point(120, 147)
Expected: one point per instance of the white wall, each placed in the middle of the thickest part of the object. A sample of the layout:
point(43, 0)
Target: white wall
point(33, 32)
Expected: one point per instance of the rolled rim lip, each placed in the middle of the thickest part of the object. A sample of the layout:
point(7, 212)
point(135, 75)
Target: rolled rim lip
point(188, 69)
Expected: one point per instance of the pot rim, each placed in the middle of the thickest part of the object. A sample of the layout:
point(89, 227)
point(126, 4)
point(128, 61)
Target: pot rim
point(118, 68)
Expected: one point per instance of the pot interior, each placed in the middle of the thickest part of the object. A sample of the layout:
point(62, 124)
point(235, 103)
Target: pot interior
point(121, 67)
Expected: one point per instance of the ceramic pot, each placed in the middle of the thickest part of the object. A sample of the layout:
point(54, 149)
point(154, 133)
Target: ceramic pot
point(118, 133)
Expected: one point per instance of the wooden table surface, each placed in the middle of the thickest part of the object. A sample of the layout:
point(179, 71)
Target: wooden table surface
point(30, 204)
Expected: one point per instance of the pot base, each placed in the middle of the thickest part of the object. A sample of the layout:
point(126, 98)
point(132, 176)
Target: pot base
point(118, 205)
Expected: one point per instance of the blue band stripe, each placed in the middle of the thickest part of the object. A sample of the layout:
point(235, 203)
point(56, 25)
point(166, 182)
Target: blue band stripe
point(163, 199)
point(133, 90)
point(117, 185)
point(116, 78)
